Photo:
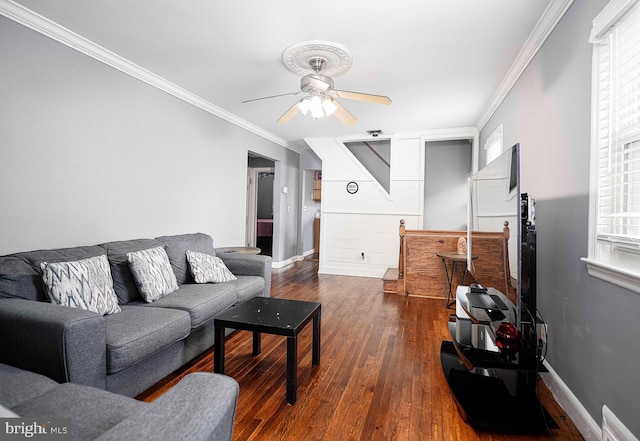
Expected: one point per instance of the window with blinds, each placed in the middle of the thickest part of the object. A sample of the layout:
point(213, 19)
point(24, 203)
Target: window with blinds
point(493, 145)
point(615, 222)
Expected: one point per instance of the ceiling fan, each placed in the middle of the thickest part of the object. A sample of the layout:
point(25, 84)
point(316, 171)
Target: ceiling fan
point(318, 59)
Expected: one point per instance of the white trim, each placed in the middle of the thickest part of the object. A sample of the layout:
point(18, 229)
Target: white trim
point(608, 17)
point(583, 421)
point(471, 133)
point(43, 25)
point(342, 140)
point(612, 274)
point(613, 428)
point(287, 262)
point(550, 18)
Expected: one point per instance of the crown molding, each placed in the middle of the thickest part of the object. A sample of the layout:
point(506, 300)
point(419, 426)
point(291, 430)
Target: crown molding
point(550, 18)
point(44, 26)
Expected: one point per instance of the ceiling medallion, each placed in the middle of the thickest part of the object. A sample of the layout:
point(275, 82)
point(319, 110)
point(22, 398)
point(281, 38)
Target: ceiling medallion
point(296, 57)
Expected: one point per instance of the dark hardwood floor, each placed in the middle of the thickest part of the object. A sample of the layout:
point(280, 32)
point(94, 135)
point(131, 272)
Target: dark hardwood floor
point(379, 376)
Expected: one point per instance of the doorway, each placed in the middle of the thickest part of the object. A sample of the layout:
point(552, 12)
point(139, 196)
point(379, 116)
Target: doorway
point(260, 200)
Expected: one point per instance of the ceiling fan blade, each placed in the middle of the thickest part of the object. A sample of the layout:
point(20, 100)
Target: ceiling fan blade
point(378, 99)
point(272, 96)
point(289, 114)
point(344, 115)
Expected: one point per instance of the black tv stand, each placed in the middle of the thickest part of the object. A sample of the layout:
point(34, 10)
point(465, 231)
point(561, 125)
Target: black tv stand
point(494, 390)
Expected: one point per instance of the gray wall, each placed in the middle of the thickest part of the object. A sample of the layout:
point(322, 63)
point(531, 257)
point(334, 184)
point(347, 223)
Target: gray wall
point(447, 167)
point(89, 154)
point(593, 325)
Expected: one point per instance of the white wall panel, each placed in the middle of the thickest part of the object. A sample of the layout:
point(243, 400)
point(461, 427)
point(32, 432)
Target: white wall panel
point(367, 221)
point(352, 235)
point(406, 159)
point(371, 198)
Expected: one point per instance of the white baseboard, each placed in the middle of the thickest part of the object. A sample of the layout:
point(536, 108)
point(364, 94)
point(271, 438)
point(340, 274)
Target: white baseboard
point(586, 425)
point(286, 262)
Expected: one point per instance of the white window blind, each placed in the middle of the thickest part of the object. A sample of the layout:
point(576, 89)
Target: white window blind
point(614, 244)
point(618, 199)
point(493, 145)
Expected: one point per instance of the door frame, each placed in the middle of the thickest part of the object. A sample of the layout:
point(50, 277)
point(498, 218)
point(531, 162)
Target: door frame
point(252, 202)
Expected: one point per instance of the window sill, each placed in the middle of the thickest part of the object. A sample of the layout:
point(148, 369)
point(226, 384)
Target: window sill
point(625, 279)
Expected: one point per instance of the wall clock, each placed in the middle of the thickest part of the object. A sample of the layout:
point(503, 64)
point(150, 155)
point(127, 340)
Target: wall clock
point(352, 187)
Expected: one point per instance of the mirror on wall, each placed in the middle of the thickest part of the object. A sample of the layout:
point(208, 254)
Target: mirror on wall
point(495, 198)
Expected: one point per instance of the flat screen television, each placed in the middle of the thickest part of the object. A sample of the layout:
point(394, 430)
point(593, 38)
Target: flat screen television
point(495, 197)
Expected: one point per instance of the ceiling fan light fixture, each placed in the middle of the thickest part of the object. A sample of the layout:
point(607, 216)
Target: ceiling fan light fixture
point(317, 106)
point(328, 105)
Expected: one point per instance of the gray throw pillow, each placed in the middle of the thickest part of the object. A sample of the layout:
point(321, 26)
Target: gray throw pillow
point(206, 268)
point(85, 284)
point(152, 273)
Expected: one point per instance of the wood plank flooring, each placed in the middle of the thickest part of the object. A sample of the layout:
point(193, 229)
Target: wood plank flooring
point(379, 376)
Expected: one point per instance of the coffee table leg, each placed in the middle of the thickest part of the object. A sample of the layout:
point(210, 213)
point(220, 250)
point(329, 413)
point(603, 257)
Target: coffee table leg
point(315, 358)
point(257, 343)
point(292, 369)
point(218, 352)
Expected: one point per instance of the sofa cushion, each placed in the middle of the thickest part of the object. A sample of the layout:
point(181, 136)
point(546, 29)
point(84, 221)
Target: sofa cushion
point(21, 280)
point(136, 332)
point(25, 385)
point(92, 411)
point(247, 287)
point(177, 246)
point(202, 302)
point(208, 269)
point(123, 283)
point(21, 276)
point(85, 284)
point(152, 272)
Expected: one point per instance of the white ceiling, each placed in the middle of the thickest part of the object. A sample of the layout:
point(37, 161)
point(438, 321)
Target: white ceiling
point(439, 61)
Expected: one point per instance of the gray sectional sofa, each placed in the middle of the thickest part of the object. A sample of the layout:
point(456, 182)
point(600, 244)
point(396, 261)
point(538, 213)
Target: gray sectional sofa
point(128, 351)
point(200, 407)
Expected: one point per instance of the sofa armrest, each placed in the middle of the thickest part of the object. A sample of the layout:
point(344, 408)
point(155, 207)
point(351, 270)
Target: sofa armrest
point(201, 406)
point(249, 265)
point(65, 344)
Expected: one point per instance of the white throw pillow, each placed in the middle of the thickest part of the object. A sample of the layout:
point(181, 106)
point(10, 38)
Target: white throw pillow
point(152, 273)
point(205, 268)
point(85, 284)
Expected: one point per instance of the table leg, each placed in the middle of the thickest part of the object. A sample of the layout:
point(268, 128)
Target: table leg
point(218, 351)
point(292, 369)
point(449, 284)
point(257, 343)
point(445, 279)
point(315, 358)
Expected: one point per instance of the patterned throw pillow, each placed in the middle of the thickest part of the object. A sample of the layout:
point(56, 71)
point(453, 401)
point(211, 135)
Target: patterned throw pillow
point(206, 268)
point(152, 273)
point(85, 284)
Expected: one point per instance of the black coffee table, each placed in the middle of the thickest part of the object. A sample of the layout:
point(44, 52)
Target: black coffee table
point(271, 316)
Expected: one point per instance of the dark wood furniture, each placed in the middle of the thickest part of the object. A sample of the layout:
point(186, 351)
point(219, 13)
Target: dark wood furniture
point(272, 316)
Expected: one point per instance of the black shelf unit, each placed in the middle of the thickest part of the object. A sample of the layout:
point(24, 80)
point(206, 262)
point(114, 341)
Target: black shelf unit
point(494, 390)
